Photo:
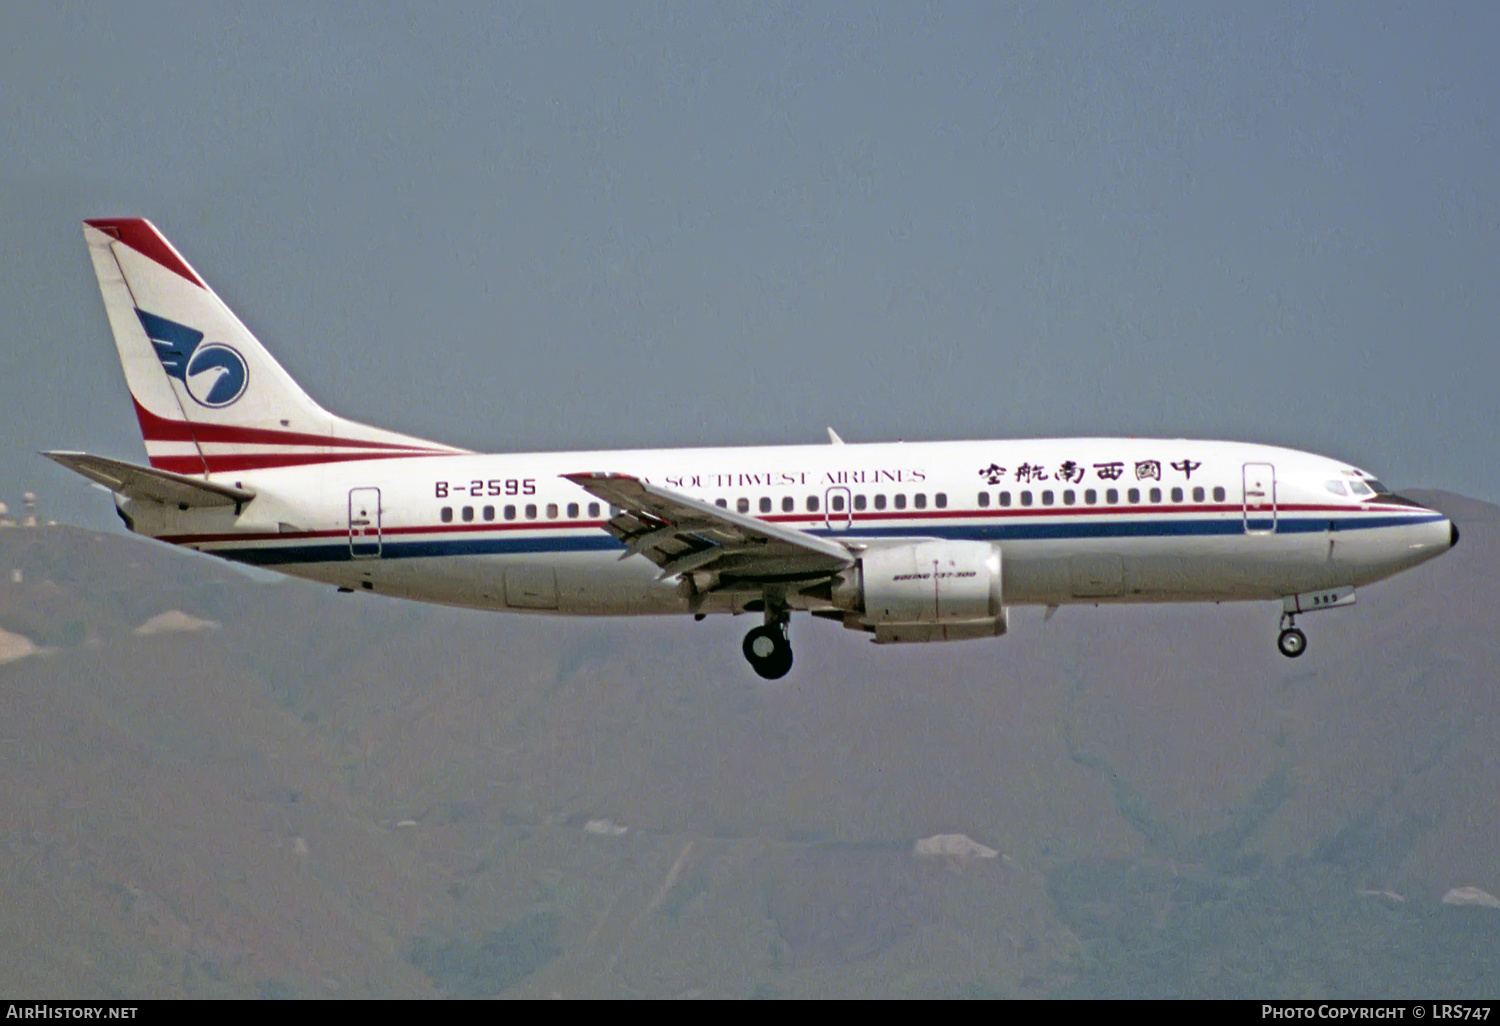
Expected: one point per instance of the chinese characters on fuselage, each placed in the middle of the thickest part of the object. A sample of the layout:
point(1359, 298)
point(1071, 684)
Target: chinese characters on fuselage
point(1074, 473)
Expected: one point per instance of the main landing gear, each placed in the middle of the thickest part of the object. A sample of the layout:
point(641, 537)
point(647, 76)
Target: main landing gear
point(1291, 641)
point(767, 646)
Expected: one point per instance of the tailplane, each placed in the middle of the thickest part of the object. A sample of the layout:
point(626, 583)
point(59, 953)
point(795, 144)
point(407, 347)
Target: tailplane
point(209, 398)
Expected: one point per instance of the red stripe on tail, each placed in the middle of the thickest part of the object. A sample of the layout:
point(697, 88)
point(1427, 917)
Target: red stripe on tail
point(192, 465)
point(163, 429)
point(139, 235)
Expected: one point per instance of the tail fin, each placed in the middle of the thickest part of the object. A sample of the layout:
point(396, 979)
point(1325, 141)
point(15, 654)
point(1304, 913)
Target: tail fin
point(209, 398)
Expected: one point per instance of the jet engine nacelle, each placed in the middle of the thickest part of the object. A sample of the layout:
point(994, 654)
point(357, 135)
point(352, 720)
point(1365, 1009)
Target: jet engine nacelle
point(926, 591)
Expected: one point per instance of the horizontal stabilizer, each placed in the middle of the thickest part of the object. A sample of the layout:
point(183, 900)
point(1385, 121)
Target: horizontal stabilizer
point(139, 482)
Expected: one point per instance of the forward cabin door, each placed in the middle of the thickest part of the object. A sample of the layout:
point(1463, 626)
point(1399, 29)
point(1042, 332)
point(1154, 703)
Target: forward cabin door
point(364, 523)
point(1260, 498)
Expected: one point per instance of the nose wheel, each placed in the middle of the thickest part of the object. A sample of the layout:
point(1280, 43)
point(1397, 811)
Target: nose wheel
point(769, 651)
point(1291, 641)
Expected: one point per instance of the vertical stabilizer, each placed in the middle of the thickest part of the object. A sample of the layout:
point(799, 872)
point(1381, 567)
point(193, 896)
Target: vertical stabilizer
point(209, 398)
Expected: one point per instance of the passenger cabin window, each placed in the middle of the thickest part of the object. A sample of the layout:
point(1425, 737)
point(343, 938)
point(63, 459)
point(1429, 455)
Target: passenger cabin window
point(900, 500)
point(551, 511)
point(722, 503)
point(919, 500)
point(859, 502)
point(1218, 494)
point(1005, 498)
point(468, 514)
point(489, 512)
point(530, 511)
point(1197, 494)
point(1176, 494)
point(1090, 496)
point(593, 509)
point(984, 500)
point(940, 500)
point(880, 502)
point(1134, 495)
point(510, 512)
point(1047, 497)
point(742, 505)
point(446, 514)
point(765, 504)
point(572, 511)
point(1069, 497)
point(836, 503)
point(1112, 496)
point(812, 503)
point(788, 504)
point(1156, 495)
point(1026, 498)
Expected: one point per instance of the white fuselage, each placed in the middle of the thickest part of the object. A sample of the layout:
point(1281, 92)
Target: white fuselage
point(1077, 520)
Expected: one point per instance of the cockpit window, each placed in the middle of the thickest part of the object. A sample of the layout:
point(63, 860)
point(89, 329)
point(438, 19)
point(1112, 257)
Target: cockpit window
point(1359, 488)
point(1336, 487)
point(1380, 489)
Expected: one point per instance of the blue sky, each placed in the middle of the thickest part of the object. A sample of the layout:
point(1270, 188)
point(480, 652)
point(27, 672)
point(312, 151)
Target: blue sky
point(565, 226)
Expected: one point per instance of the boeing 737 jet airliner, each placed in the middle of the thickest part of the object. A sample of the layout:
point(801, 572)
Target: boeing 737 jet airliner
point(906, 542)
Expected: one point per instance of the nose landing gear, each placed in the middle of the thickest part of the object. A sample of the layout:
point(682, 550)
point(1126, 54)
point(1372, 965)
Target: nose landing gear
point(767, 647)
point(1291, 641)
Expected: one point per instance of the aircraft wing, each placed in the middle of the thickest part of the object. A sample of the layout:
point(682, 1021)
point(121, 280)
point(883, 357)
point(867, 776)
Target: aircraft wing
point(139, 482)
point(682, 535)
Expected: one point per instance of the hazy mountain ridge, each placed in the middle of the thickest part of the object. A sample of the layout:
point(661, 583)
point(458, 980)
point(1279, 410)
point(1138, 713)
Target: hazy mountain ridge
point(348, 795)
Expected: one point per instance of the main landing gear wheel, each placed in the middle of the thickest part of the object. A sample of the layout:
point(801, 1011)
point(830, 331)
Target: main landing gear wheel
point(769, 651)
point(1292, 642)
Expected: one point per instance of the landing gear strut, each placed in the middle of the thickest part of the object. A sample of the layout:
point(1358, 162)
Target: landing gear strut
point(767, 647)
point(1291, 641)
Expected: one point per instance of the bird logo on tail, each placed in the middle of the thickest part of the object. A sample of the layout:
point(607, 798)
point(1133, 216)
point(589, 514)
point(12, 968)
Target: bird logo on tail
point(215, 375)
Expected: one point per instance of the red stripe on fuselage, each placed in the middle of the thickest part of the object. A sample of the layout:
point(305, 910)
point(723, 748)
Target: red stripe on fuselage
point(386, 532)
point(799, 521)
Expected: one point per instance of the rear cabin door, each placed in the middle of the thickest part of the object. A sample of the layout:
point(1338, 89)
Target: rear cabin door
point(364, 523)
point(1260, 498)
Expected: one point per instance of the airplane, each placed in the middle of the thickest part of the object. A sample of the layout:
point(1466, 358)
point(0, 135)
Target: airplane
point(906, 542)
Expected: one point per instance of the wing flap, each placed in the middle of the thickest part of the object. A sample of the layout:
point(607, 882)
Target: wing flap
point(139, 482)
point(682, 535)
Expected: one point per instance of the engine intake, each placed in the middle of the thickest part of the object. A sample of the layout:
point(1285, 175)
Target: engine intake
point(926, 591)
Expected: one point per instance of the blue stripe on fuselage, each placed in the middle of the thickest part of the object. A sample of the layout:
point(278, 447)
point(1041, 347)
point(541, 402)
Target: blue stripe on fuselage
point(427, 548)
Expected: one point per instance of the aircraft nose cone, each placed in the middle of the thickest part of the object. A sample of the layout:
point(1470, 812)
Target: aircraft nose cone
point(1452, 534)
